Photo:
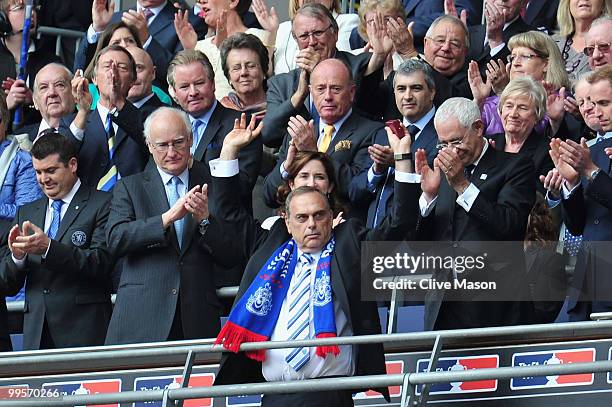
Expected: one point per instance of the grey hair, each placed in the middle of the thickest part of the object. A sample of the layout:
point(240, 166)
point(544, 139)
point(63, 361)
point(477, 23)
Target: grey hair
point(301, 191)
point(453, 20)
point(462, 109)
point(57, 64)
point(525, 86)
point(318, 11)
point(583, 77)
point(166, 109)
point(411, 66)
point(601, 20)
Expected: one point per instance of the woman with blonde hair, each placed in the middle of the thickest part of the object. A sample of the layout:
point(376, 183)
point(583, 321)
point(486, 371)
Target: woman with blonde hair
point(574, 18)
point(532, 54)
point(286, 46)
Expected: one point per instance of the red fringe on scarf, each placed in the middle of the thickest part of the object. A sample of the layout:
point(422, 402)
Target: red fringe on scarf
point(323, 351)
point(232, 336)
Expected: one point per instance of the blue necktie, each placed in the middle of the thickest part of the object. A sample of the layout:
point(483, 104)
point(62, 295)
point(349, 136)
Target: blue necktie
point(195, 130)
point(298, 317)
point(174, 196)
point(56, 207)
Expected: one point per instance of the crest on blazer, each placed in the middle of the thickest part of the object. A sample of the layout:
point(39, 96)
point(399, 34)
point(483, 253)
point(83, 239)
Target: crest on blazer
point(343, 145)
point(78, 238)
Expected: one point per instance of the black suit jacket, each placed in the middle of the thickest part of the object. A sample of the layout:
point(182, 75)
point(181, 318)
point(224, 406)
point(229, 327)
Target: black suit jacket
point(131, 152)
point(482, 54)
point(542, 14)
point(149, 107)
point(209, 148)
point(588, 212)
point(64, 127)
point(536, 148)
point(70, 287)
point(282, 87)
point(499, 213)
point(256, 245)
point(156, 272)
point(361, 195)
point(348, 151)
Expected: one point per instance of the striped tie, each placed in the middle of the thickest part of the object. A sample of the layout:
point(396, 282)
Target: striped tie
point(298, 323)
point(327, 138)
point(108, 181)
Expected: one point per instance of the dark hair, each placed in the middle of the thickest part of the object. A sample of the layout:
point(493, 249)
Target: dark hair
point(244, 41)
point(301, 191)
point(301, 159)
point(242, 7)
point(541, 225)
point(54, 143)
point(104, 40)
point(119, 48)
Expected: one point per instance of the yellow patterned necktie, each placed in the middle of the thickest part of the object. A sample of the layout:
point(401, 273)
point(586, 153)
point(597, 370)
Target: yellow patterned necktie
point(327, 138)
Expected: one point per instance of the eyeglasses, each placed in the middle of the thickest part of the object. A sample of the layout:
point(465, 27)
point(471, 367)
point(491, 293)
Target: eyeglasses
point(318, 34)
point(521, 57)
point(250, 66)
point(440, 41)
point(179, 144)
point(602, 47)
point(454, 143)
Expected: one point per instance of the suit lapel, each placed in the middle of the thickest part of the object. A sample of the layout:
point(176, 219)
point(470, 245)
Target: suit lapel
point(484, 167)
point(347, 129)
point(163, 19)
point(338, 287)
point(156, 193)
point(76, 206)
point(213, 126)
point(38, 212)
point(533, 10)
point(427, 139)
point(195, 178)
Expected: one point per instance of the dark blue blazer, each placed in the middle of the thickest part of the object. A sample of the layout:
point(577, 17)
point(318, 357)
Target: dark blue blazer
point(588, 212)
point(131, 153)
point(542, 14)
point(360, 195)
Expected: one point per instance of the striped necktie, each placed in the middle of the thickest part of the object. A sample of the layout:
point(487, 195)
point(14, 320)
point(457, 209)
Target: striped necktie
point(108, 181)
point(298, 321)
point(56, 207)
point(327, 138)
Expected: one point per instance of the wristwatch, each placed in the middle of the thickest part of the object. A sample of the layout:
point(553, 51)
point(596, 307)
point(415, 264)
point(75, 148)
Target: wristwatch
point(404, 156)
point(203, 226)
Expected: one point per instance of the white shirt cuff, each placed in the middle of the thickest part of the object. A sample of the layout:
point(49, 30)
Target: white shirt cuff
point(19, 263)
point(566, 192)
point(76, 132)
point(425, 207)
point(467, 198)
point(283, 171)
point(495, 51)
point(407, 177)
point(44, 256)
point(223, 169)
point(147, 42)
point(92, 35)
point(373, 179)
point(552, 203)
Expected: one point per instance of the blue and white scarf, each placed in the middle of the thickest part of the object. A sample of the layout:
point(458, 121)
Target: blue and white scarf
point(254, 317)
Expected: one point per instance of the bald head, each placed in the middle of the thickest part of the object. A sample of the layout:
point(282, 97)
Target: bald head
point(145, 74)
point(53, 93)
point(333, 90)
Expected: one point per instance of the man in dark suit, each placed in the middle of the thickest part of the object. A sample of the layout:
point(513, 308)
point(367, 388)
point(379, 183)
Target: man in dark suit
point(489, 41)
point(111, 143)
point(192, 85)
point(340, 132)
point(53, 98)
point(484, 195)
point(154, 22)
point(316, 32)
point(414, 95)
point(542, 14)
point(167, 289)
point(587, 209)
point(307, 234)
point(58, 246)
point(141, 93)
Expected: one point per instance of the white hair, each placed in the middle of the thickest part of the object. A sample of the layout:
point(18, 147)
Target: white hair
point(162, 110)
point(462, 109)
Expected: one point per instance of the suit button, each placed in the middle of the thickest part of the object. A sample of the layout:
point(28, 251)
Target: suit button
point(455, 245)
point(45, 291)
point(174, 291)
point(596, 221)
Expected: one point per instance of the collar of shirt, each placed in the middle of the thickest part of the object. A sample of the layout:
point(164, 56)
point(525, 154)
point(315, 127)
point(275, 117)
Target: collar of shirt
point(42, 127)
point(184, 176)
point(482, 153)
point(337, 125)
point(315, 256)
point(138, 104)
point(103, 112)
point(503, 29)
point(607, 135)
point(154, 10)
point(68, 197)
point(422, 122)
